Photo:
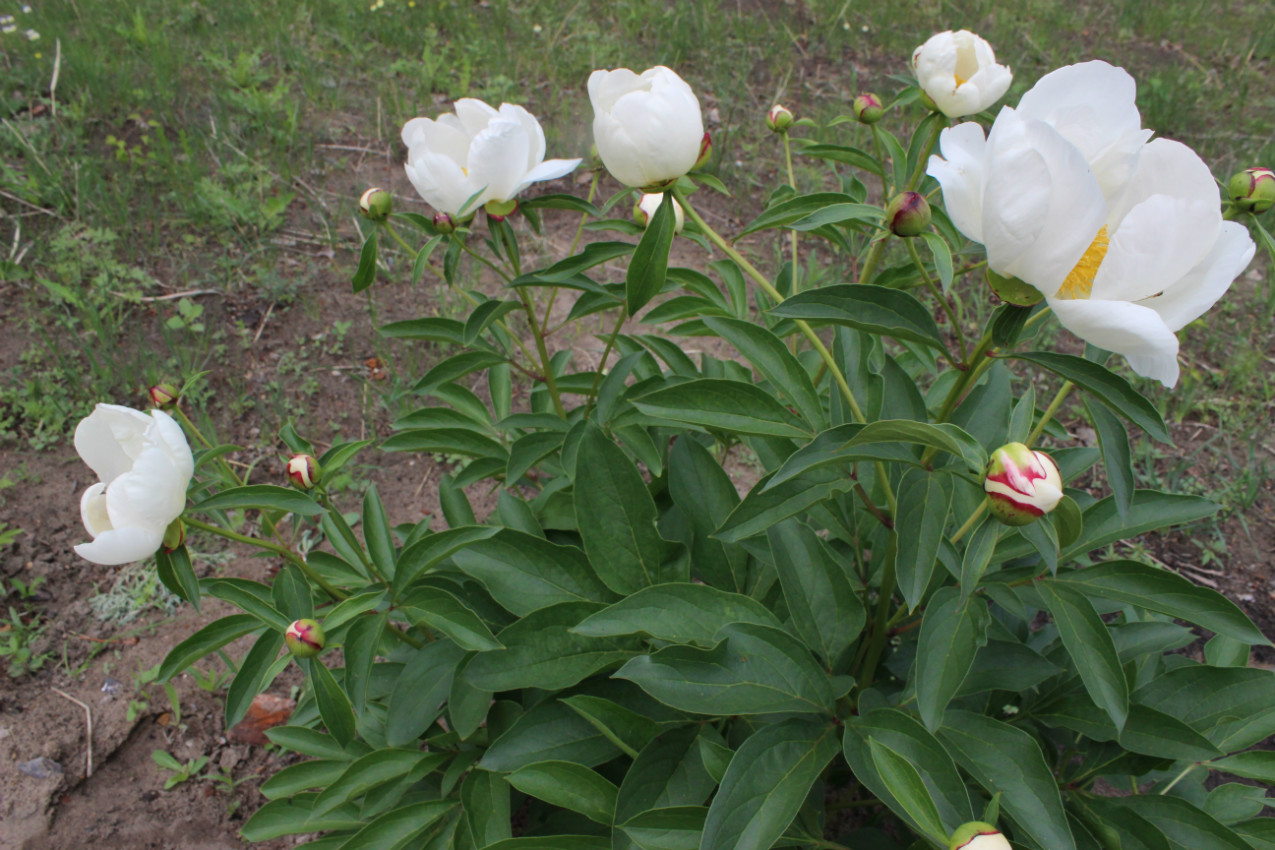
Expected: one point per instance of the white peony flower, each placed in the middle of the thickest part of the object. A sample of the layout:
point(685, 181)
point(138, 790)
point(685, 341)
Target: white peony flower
point(1124, 238)
point(647, 127)
point(478, 149)
point(144, 464)
point(647, 206)
point(958, 71)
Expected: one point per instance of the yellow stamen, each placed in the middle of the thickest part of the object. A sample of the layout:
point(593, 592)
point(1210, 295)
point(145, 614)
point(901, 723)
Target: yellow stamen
point(960, 81)
point(1079, 282)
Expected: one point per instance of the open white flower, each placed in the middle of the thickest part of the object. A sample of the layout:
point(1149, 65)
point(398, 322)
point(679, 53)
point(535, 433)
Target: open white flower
point(498, 152)
point(647, 127)
point(1124, 238)
point(958, 71)
point(144, 464)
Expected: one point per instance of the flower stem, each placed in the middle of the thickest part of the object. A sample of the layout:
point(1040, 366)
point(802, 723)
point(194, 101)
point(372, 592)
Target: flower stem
point(1063, 391)
point(792, 234)
point(1190, 767)
point(939, 296)
point(575, 243)
point(971, 522)
point(923, 160)
point(279, 549)
point(606, 352)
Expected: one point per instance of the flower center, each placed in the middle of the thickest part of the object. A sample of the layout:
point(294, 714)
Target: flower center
point(1079, 282)
point(960, 81)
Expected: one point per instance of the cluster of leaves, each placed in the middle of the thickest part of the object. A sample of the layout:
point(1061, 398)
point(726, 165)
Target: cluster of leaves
point(627, 653)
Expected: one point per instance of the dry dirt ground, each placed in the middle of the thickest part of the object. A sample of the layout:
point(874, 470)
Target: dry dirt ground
point(122, 803)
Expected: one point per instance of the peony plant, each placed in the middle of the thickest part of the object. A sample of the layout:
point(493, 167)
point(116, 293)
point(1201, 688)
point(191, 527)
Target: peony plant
point(911, 614)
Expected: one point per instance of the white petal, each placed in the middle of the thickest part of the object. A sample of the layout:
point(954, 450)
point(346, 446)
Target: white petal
point(440, 181)
point(1132, 330)
point(606, 87)
point(165, 431)
point(1198, 290)
point(121, 546)
point(498, 159)
point(1041, 205)
point(1165, 167)
point(474, 115)
point(550, 169)
point(110, 437)
point(151, 495)
point(535, 133)
point(663, 130)
point(93, 510)
point(960, 173)
point(1154, 245)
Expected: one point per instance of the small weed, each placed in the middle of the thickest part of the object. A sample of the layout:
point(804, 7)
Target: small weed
point(137, 589)
point(179, 772)
point(18, 636)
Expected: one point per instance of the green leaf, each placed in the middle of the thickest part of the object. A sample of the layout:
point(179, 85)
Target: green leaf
point(1113, 439)
point(551, 842)
point(525, 573)
point(1187, 827)
point(1255, 764)
point(1091, 647)
point(1234, 802)
point(753, 670)
point(468, 441)
point(908, 789)
point(292, 816)
point(705, 495)
point(542, 651)
point(1106, 386)
point(250, 679)
point(649, 266)
point(426, 553)
point(528, 450)
point(456, 366)
point(766, 783)
point(437, 608)
point(207, 640)
point(794, 209)
point(396, 827)
point(617, 516)
point(362, 643)
point(419, 691)
point(923, 508)
point(627, 729)
point(549, 731)
point(671, 828)
point(680, 612)
point(374, 769)
point(421, 263)
point(942, 258)
point(365, 274)
point(485, 314)
point(467, 705)
point(1234, 707)
point(765, 506)
point(431, 328)
point(1165, 592)
point(261, 497)
point(978, 554)
point(568, 785)
point(775, 362)
point(295, 778)
point(669, 771)
point(886, 439)
point(951, 632)
point(1003, 758)
point(905, 736)
point(839, 153)
point(334, 705)
point(311, 742)
point(1260, 832)
point(874, 309)
point(1155, 733)
point(826, 612)
point(178, 574)
point(376, 533)
point(723, 405)
point(485, 797)
point(250, 597)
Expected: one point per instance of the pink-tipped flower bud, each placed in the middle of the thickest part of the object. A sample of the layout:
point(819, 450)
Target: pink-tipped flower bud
point(376, 204)
point(304, 638)
point(977, 835)
point(1013, 290)
point(1253, 189)
point(164, 396)
point(908, 214)
point(303, 471)
point(868, 108)
point(648, 204)
point(705, 152)
point(174, 535)
point(779, 119)
point(500, 210)
point(444, 223)
point(1021, 485)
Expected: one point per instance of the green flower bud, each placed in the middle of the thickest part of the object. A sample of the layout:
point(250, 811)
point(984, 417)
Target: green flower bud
point(977, 835)
point(1013, 290)
point(868, 108)
point(444, 223)
point(376, 204)
point(1021, 485)
point(164, 396)
point(174, 535)
point(705, 152)
point(500, 210)
point(303, 471)
point(908, 214)
point(779, 119)
point(304, 638)
point(1253, 190)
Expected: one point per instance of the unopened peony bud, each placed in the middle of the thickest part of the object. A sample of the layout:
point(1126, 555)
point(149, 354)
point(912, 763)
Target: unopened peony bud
point(908, 214)
point(164, 396)
point(646, 207)
point(304, 638)
point(303, 472)
point(174, 535)
point(705, 152)
point(977, 835)
point(1013, 290)
point(1253, 190)
point(376, 204)
point(500, 210)
point(1021, 485)
point(868, 108)
point(444, 223)
point(779, 119)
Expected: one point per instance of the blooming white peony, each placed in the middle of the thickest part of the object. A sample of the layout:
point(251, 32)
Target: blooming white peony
point(144, 464)
point(647, 127)
point(1124, 237)
point(958, 71)
point(498, 152)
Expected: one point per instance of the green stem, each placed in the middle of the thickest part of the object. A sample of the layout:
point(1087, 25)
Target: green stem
point(970, 523)
point(606, 352)
point(575, 243)
point(792, 234)
point(283, 551)
point(874, 257)
point(1063, 391)
point(464, 246)
point(925, 156)
point(938, 294)
point(1190, 767)
point(880, 631)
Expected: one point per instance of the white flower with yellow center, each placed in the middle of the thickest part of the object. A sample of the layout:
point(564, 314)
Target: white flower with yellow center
point(1124, 237)
point(958, 71)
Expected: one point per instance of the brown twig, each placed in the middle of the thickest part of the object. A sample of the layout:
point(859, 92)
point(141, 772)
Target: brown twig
point(88, 721)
